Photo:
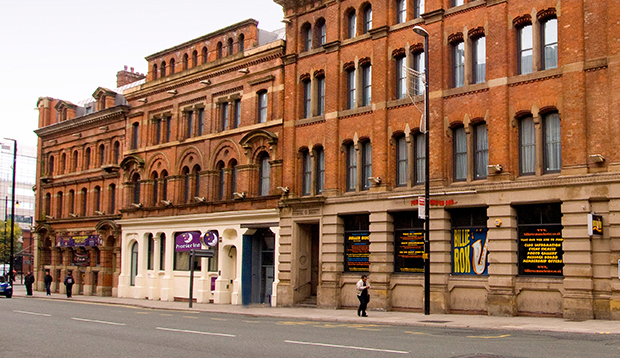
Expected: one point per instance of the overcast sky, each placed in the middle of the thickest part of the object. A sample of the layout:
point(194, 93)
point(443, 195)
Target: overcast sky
point(67, 48)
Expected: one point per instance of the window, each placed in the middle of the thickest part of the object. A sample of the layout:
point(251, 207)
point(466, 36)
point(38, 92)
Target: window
point(74, 161)
point(526, 50)
point(101, 154)
point(230, 47)
point(154, 71)
point(112, 198)
point(168, 128)
point(97, 198)
point(241, 44)
point(233, 176)
point(196, 174)
point(135, 135)
point(408, 238)
point(420, 158)
point(190, 123)
point(469, 241)
point(307, 99)
point(527, 146)
point(84, 201)
point(481, 151)
point(460, 154)
point(458, 2)
point(366, 164)
point(162, 252)
point(117, 152)
point(367, 85)
point(319, 156)
point(367, 19)
point(401, 78)
point(185, 61)
point(164, 185)
point(186, 184)
point(224, 114)
point(418, 8)
point(63, 163)
point(150, 252)
point(351, 24)
point(402, 161)
point(321, 32)
point(307, 173)
point(553, 143)
point(320, 96)
point(71, 200)
point(351, 167)
point(356, 241)
point(401, 11)
point(219, 50)
point(536, 223)
point(51, 164)
point(307, 37)
point(550, 44)
point(236, 114)
point(222, 181)
point(262, 107)
point(351, 89)
point(194, 58)
point(162, 69)
point(204, 55)
point(458, 64)
point(172, 66)
point(48, 203)
point(86, 159)
point(59, 203)
point(201, 121)
point(134, 264)
point(264, 175)
point(136, 188)
point(155, 193)
point(479, 59)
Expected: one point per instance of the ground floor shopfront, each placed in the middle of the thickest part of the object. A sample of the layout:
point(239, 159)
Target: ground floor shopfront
point(242, 270)
point(514, 248)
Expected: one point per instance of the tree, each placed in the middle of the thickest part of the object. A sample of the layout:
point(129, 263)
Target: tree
point(5, 240)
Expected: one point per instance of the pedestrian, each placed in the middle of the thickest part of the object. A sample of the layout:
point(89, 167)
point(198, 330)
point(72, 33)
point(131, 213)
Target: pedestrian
point(362, 287)
point(28, 281)
point(48, 282)
point(69, 281)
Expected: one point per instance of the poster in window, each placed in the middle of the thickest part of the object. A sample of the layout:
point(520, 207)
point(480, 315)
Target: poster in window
point(409, 256)
point(357, 252)
point(470, 251)
point(540, 250)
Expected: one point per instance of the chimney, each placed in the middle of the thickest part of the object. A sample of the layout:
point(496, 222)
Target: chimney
point(125, 77)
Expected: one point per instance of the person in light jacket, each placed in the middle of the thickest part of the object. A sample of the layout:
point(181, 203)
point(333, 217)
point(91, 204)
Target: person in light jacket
point(362, 288)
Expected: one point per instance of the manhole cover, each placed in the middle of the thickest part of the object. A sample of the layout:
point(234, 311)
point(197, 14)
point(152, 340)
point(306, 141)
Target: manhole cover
point(431, 321)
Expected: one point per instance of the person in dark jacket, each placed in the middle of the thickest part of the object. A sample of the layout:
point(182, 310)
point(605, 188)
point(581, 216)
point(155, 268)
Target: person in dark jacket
point(48, 282)
point(69, 281)
point(28, 281)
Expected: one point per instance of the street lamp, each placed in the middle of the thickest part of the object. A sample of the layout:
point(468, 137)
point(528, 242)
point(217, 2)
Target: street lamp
point(11, 258)
point(427, 263)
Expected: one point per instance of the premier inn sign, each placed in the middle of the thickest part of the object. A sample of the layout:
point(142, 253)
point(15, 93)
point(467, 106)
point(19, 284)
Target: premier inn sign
point(186, 241)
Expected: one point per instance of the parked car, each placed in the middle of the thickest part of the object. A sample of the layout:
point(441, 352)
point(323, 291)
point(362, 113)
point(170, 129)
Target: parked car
point(6, 288)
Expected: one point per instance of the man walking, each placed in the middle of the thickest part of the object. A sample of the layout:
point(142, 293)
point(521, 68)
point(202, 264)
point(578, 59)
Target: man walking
point(48, 282)
point(28, 281)
point(362, 287)
point(69, 281)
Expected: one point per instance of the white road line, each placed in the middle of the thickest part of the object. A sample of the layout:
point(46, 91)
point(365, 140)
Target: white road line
point(96, 321)
point(34, 313)
point(347, 347)
point(196, 332)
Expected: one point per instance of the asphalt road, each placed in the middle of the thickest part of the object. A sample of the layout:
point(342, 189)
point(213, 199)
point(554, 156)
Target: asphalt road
point(51, 328)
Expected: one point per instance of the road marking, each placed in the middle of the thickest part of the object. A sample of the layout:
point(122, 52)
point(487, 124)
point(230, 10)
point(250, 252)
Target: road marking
point(165, 314)
point(34, 313)
point(422, 333)
point(196, 332)
point(347, 347)
point(219, 319)
point(251, 321)
point(142, 313)
point(96, 321)
point(490, 337)
point(190, 317)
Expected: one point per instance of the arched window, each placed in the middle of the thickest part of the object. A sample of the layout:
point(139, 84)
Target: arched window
point(87, 158)
point(351, 167)
point(164, 185)
point(196, 175)
point(241, 43)
point(74, 161)
point(264, 175)
point(112, 198)
point(204, 54)
point(150, 257)
point(134, 264)
point(135, 135)
point(402, 161)
point(162, 69)
point(84, 201)
point(185, 61)
point(117, 152)
point(262, 106)
point(97, 198)
point(154, 71)
point(552, 155)
point(230, 47)
point(155, 193)
point(419, 159)
point(367, 26)
point(219, 50)
point(101, 154)
point(401, 11)
point(306, 35)
point(306, 187)
point(221, 189)
point(233, 176)
point(63, 163)
point(186, 184)
point(51, 166)
point(366, 164)
point(59, 199)
point(71, 200)
point(162, 252)
point(136, 188)
point(319, 176)
point(48, 203)
point(320, 32)
point(351, 24)
point(194, 58)
point(172, 65)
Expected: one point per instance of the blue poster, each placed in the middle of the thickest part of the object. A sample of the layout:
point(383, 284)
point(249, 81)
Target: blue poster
point(470, 251)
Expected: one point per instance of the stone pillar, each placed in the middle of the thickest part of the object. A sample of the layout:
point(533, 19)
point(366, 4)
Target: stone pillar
point(441, 260)
point(503, 251)
point(381, 259)
point(332, 262)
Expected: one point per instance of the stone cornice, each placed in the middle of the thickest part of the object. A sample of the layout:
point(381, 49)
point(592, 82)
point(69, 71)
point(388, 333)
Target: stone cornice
point(92, 119)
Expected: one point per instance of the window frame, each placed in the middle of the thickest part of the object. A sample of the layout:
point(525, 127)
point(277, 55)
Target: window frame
point(458, 64)
point(419, 158)
point(351, 167)
point(478, 51)
point(459, 145)
point(367, 85)
point(525, 33)
point(481, 153)
point(548, 42)
point(552, 143)
point(366, 164)
point(527, 166)
point(351, 88)
point(262, 106)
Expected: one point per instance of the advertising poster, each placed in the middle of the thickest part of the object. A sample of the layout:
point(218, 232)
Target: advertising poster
point(186, 241)
point(79, 241)
point(540, 250)
point(409, 255)
point(357, 252)
point(470, 251)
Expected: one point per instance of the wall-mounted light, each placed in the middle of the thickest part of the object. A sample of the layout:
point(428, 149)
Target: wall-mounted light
point(239, 195)
point(597, 158)
point(166, 202)
point(374, 180)
point(136, 205)
point(495, 168)
point(200, 199)
point(73, 215)
point(172, 92)
point(206, 82)
point(49, 217)
point(244, 70)
point(77, 135)
point(284, 189)
point(143, 100)
point(99, 212)
point(103, 128)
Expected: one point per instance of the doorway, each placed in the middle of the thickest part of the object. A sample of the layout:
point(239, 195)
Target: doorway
point(258, 269)
point(308, 264)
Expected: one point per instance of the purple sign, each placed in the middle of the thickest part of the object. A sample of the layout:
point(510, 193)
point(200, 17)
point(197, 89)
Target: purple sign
point(79, 241)
point(185, 241)
point(210, 238)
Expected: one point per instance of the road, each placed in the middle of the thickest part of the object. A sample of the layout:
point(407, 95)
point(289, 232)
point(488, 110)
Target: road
point(53, 328)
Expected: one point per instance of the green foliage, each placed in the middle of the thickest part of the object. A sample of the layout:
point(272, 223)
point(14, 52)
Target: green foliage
point(5, 240)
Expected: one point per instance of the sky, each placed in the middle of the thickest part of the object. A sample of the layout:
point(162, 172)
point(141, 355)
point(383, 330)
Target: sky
point(65, 49)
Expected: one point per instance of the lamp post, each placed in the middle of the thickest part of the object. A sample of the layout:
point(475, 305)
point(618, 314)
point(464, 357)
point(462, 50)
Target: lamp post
point(11, 258)
point(427, 263)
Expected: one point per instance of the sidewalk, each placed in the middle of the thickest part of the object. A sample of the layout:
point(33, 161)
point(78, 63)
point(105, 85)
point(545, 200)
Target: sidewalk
point(349, 316)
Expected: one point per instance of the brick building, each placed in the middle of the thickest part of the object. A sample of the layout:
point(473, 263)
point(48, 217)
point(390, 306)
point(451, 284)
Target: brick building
point(521, 154)
point(77, 191)
point(203, 162)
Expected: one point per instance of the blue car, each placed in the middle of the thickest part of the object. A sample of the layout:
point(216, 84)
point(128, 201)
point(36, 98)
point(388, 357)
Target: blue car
point(6, 288)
